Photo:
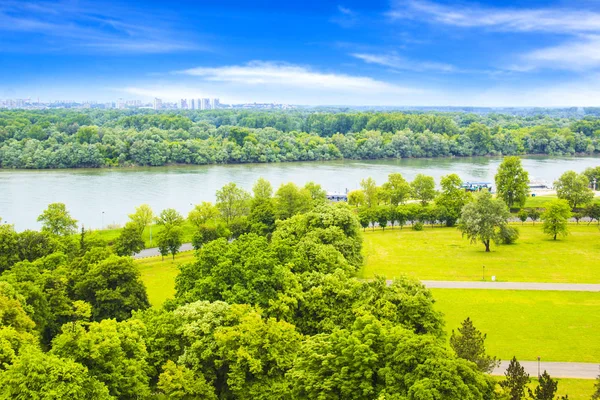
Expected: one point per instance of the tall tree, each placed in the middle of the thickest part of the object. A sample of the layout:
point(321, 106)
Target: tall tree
point(556, 217)
point(423, 188)
point(512, 182)
point(356, 198)
point(516, 380)
point(396, 190)
point(56, 220)
point(233, 202)
point(574, 188)
point(169, 240)
point(371, 191)
point(203, 213)
point(546, 388)
point(130, 240)
point(469, 343)
point(452, 197)
point(169, 217)
point(142, 217)
point(291, 200)
point(482, 218)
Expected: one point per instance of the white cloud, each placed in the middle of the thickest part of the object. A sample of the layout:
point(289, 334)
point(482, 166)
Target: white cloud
point(552, 20)
point(395, 61)
point(264, 73)
point(91, 26)
point(577, 55)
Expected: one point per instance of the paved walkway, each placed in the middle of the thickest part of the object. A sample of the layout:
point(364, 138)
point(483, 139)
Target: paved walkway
point(152, 252)
point(555, 369)
point(568, 287)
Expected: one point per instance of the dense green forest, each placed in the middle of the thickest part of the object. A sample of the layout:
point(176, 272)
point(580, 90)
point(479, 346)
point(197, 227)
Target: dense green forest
point(71, 139)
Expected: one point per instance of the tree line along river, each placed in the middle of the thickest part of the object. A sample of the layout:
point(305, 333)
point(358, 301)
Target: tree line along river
point(98, 197)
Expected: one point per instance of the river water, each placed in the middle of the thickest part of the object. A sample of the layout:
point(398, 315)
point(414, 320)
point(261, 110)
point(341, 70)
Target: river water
point(98, 197)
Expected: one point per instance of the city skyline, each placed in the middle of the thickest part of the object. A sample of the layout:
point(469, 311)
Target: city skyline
point(385, 52)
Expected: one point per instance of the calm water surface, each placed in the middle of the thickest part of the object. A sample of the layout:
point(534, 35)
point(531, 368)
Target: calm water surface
point(88, 193)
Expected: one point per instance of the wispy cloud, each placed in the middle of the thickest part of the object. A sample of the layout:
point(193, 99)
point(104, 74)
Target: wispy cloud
point(345, 17)
point(553, 20)
point(290, 75)
point(397, 62)
point(579, 54)
point(91, 26)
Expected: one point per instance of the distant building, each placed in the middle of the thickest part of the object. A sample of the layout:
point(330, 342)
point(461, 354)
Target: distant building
point(157, 103)
point(205, 104)
point(215, 104)
point(183, 104)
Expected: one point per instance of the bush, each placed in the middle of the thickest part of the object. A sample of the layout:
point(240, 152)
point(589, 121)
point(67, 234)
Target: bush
point(508, 234)
point(417, 226)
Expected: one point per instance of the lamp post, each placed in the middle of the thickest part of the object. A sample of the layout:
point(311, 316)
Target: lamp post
point(539, 376)
point(483, 273)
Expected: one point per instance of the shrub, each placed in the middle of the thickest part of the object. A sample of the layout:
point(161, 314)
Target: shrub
point(418, 226)
point(508, 234)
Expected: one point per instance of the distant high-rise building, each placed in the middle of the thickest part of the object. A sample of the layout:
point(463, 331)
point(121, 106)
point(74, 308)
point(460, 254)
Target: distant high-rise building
point(183, 104)
point(192, 104)
point(215, 104)
point(205, 104)
point(157, 104)
point(120, 104)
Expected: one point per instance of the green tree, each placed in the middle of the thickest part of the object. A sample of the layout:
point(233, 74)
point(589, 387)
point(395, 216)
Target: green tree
point(169, 240)
point(9, 247)
point(512, 182)
point(356, 198)
point(37, 375)
point(130, 240)
point(516, 380)
point(482, 218)
point(291, 200)
point(546, 388)
point(596, 395)
point(142, 217)
point(423, 188)
point(33, 245)
point(573, 188)
point(113, 287)
point(534, 215)
point(396, 190)
point(452, 197)
point(317, 193)
point(262, 189)
point(178, 382)
point(113, 352)
point(593, 212)
point(556, 217)
point(383, 216)
point(56, 220)
point(523, 215)
point(203, 213)
point(169, 217)
point(233, 202)
point(371, 192)
point(469, 343)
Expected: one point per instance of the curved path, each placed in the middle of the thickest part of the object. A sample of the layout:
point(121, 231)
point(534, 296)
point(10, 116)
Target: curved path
point(555, 369)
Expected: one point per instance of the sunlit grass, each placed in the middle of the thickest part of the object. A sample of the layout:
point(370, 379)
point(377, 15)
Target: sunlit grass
point(443, 254)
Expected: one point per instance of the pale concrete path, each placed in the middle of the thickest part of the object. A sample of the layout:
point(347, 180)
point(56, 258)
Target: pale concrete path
point(567, 287)
point(555, 369)
point(153, 252)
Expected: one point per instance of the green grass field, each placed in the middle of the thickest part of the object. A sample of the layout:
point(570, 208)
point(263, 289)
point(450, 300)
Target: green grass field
point(159, 275)
point(577, 389)
point(443, 254)
point(111, 234)
point(541, 201)
point(557, 326)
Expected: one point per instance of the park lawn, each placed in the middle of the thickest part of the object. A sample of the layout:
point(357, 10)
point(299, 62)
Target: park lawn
point(543, 200)
point(557, 326)
point(159, 275)
point(577, 389)
point(111, 234)
point(443, 254)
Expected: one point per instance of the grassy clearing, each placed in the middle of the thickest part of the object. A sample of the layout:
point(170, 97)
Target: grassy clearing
point(443, 254)
point(557, 326)
point(111, 234)
point(159, 275)
point(577, 389)
point(541, 201)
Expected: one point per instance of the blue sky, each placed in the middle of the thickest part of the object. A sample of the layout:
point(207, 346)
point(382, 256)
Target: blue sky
point(398, 52)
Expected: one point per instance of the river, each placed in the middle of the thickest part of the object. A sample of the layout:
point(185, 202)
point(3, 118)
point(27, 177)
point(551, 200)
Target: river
point(98, 197)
